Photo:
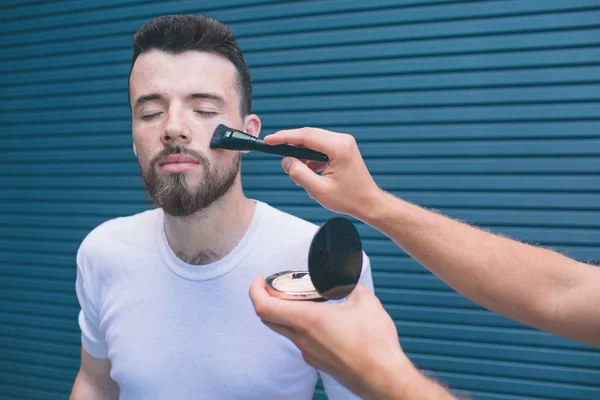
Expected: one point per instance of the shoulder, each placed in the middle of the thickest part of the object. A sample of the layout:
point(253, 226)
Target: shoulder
point(112, 236)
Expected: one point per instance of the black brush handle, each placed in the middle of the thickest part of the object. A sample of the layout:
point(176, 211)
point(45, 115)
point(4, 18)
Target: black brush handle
point(232, 139)
point(289, 151)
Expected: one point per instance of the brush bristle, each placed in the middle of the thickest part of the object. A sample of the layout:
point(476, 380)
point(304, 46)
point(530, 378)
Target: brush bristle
point(215, 141)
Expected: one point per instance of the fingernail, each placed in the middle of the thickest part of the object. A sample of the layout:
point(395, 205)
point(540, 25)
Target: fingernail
point(285, 163)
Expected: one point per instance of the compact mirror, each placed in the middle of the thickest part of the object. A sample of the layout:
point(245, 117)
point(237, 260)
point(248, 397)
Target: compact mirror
point(334, 266)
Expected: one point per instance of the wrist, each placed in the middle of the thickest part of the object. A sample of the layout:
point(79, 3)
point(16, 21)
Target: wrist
point(370, 206)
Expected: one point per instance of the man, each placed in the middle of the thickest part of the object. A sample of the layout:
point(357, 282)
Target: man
point(164, 310)
point(529, 284)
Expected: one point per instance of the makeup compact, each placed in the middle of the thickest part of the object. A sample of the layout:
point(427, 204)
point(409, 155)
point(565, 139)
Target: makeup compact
point(334, 266)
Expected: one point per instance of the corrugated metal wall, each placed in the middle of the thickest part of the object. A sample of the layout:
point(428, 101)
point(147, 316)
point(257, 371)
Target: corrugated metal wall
point(488, 111)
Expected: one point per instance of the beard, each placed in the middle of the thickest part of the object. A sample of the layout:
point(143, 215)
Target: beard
point(174, 194)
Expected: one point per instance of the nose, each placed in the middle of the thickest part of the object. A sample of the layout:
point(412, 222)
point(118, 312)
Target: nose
point(174, 131)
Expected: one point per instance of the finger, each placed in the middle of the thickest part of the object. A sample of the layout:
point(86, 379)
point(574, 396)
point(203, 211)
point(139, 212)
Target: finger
point(359, 293)
point(282, 330)
point(312, 138)
point(272, 309)
point(256, 289)
point(302, 175)
point(316, 166)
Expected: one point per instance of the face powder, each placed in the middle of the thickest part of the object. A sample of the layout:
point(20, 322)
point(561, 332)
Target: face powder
point(292, 285)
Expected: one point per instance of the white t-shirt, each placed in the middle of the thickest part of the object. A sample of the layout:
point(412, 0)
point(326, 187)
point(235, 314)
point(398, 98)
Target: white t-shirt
point(178, 331)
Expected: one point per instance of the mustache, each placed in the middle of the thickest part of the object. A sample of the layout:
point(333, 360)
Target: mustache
point(167, 151)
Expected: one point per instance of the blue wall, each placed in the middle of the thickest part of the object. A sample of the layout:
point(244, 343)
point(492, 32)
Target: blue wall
point(488, 111)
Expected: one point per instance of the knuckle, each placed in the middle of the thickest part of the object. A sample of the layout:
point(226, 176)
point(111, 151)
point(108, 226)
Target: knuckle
point(349, 141)
point(308, 130)
point(262, 309)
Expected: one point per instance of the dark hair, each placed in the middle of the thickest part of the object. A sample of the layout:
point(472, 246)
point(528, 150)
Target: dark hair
point(178, 33)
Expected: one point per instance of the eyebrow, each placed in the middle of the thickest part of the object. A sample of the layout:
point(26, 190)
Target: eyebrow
point(209, 96)
point(149, 97)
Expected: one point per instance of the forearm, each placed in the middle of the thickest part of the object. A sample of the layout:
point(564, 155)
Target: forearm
point(523, 282)
point(407, 383)
point(85, 388)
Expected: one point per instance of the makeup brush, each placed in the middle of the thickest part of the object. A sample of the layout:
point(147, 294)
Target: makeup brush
point(228, 138)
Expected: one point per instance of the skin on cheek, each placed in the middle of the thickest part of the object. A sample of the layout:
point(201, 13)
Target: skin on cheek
point(141, 151)
point(147, 142)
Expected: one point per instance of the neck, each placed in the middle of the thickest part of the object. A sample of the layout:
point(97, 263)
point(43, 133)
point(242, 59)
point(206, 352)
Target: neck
point(210, 234)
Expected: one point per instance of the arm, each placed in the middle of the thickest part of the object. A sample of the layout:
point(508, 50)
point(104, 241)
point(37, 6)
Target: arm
point(93, 381)
point(412, 386)
point(532, 285)
point(529, 284)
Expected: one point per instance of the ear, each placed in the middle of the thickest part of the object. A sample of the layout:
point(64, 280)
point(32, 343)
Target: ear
point(252, 125)
point(134, 150)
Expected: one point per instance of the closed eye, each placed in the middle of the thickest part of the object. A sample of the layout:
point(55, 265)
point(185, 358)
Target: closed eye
point(205, 113)
point(150, 116)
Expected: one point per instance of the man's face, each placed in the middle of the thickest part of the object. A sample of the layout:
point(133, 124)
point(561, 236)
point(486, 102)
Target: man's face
point(177, 102)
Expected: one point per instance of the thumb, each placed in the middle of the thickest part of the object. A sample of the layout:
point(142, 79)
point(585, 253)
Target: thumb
point(359, 293)
point(301, 174)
